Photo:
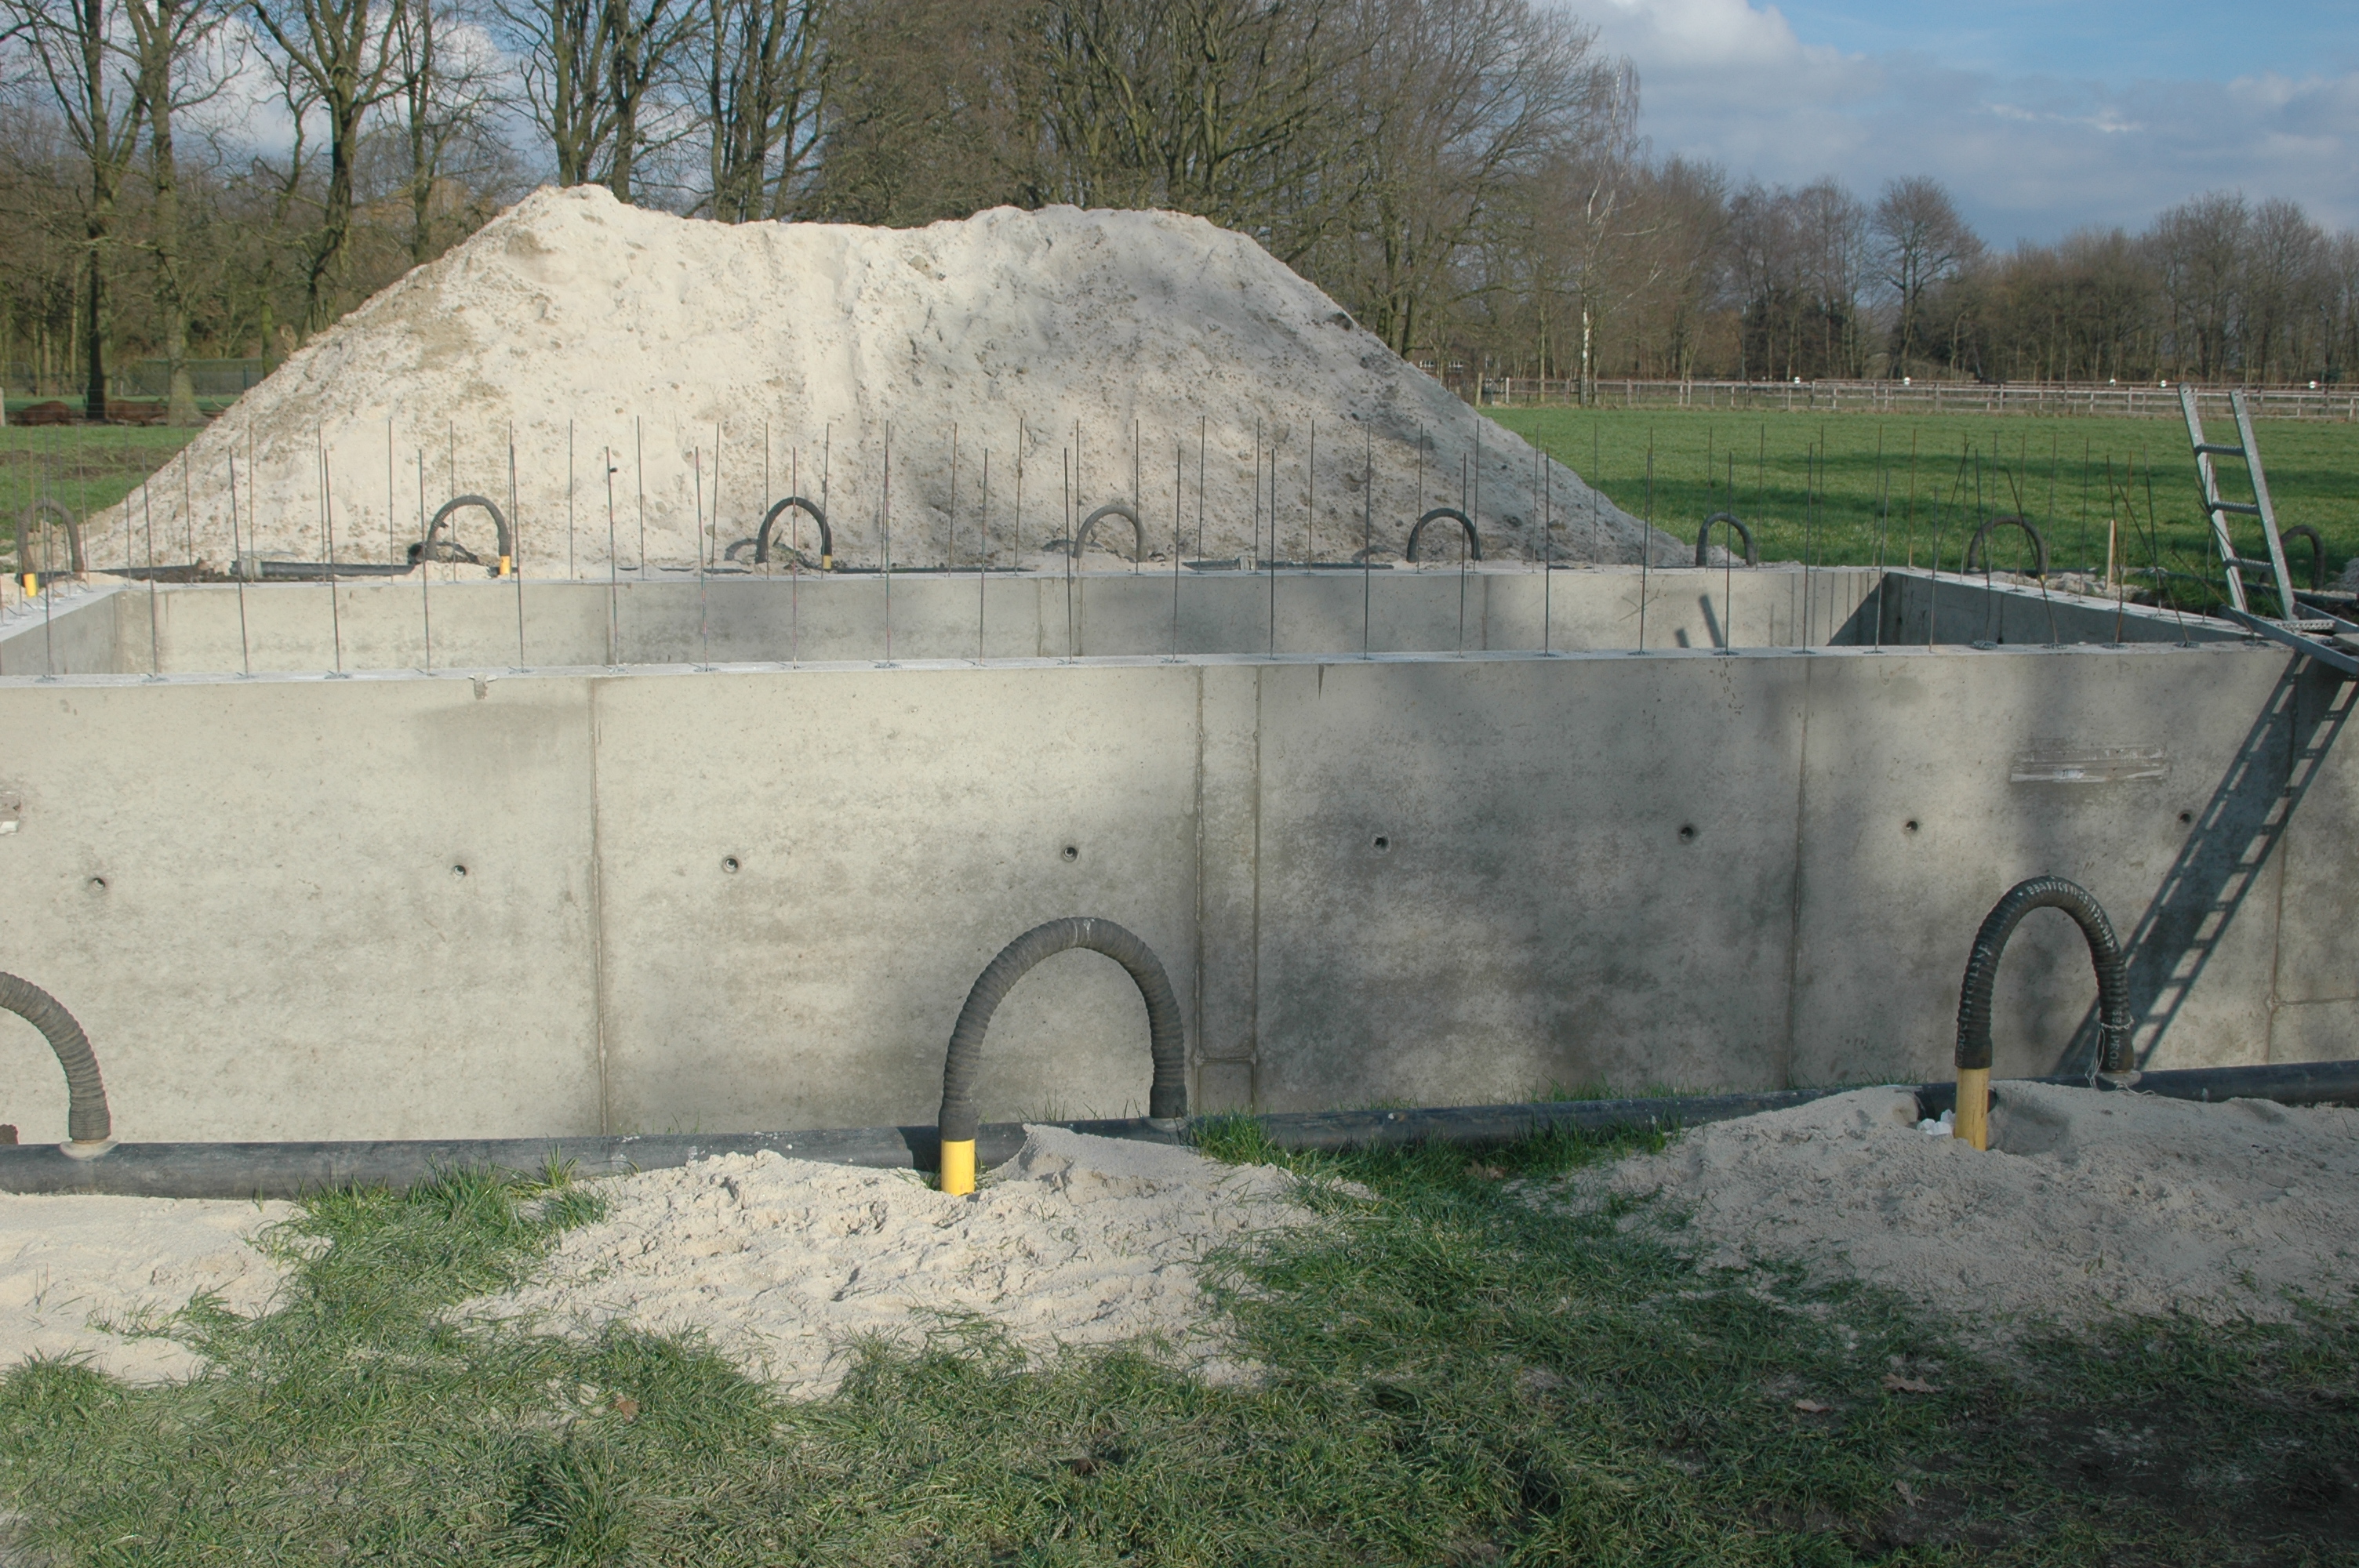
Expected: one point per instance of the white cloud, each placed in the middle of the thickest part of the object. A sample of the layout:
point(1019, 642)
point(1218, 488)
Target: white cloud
point(2031, 156)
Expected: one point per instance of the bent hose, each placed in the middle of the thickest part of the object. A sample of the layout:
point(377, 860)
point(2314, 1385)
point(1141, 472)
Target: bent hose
point(1121, 509)
point(1728, 520)
point(1974, 1054)
point(87, 1119)
point(499, 523)
point(1982, 536)
point(1473, 540)
point(770, 520)
point(25, 567)
point(1166, 1100)
point(2317, 551)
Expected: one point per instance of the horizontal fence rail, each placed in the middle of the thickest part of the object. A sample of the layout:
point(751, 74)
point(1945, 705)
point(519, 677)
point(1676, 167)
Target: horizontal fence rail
point(2058, 399)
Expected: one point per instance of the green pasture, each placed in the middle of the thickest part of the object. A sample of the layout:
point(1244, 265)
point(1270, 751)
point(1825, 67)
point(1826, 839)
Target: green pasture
point(1858, 488)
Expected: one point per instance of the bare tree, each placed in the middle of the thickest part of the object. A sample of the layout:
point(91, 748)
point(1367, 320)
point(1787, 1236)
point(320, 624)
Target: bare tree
point(1921, 243)
point(2198, 251)
point(2285, 262)
point(764, 67)
point(348, 51)
point(165, 36)
point(590, 71)
point(78, 47)
point(448, 94)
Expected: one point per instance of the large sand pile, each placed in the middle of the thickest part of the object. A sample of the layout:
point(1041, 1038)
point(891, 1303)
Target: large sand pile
point(79, 1275)
point(786, 1263)
point(639, 331)
point(2088, 1203)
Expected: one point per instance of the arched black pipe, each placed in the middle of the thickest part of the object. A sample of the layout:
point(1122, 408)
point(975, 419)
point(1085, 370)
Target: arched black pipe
point(2104, 955)
point(1166, 1099)
point(2317, 551)
point(87, 1120)
point(1982, 537)
point(1121, 509)
point(1473, 540)
point(1728, 520)
point(74, 535)
point(770, 520)
point(452, 548)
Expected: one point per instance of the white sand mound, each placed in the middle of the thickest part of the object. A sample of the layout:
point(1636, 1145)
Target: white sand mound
point(574, 312)
point(784, 1263)
point(77, 1271)
point(2087, 1203)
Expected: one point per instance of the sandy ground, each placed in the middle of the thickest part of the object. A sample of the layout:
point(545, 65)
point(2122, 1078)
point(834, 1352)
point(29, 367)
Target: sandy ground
point(785, 1263)
point(2087, 1203)
point(1145, 350)
point(77, 1271)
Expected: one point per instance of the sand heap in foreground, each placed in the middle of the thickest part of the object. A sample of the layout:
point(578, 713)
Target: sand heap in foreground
point(2087, 1203)
point(626, 337)
point(79, 1276)
point(786, 1263)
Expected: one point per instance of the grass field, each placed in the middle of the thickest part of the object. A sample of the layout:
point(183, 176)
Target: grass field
point(1857, 488)
point(1448, 1376)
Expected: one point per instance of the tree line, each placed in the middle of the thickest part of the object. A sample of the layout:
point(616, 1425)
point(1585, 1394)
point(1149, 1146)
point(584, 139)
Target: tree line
point(188, 179)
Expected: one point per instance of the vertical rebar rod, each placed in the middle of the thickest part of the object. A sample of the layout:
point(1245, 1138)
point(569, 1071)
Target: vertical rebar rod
point(392, 546)
point(703, 629)
point(1547, 555)
point(949, 547)
point(983, 556)
point(1310, 502)
point(1068, 550)
point(640, 472)
point(1272, 568)
point(147, 510)
point(516, 543)
point(1015, 516)
point(1203, 440)
point(328, 545)
point(425, 568)
point(1367, 538)
point(188, 498)
point(795, 559)
point(1647, 546)
point(613, 568)
point(570, 568)
point(237, 554)
point(884, 516)
point(1179, 539)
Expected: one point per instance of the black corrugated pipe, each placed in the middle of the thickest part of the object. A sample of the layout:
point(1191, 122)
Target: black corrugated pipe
point(1982, 537)
point(1728, 520)
point(1473, 540)
point(87, 1119)
point(770, 520)
point(1974, 1058)
point(25, 567)
point(2286, 536)
point(446, 539)
point(1123, 510)
point(1166, 1100)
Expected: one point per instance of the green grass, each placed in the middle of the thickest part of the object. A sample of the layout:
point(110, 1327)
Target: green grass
point(1837, 489)
point(85, 469)
point(1450, 1374)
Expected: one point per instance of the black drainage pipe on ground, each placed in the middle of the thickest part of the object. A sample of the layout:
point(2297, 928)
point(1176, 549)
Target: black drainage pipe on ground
point(1974, 1054)
point(296, 1170)
point(1166, 1099)
point(1982, 537)
point(88, 1121)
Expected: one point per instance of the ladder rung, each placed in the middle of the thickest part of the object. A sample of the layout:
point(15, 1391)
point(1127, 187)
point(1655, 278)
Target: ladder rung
point(2217, 450)
point(2249, 509)
point(2307, 625)
point(2252, 565)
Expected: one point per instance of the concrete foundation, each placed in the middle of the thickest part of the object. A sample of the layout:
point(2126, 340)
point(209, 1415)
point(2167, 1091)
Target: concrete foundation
point(494, 902)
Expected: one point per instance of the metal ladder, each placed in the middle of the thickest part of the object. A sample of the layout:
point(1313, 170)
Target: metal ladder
point(2298, 626)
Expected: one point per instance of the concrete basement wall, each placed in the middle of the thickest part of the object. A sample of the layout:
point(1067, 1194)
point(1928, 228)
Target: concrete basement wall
point(250, 890)
point(739, 619)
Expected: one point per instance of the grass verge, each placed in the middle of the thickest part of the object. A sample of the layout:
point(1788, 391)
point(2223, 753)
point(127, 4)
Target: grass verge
point(1859, 487)
point(1447, 1373)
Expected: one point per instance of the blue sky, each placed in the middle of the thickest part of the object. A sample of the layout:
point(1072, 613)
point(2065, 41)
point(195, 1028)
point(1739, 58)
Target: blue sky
point(2041, 115)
